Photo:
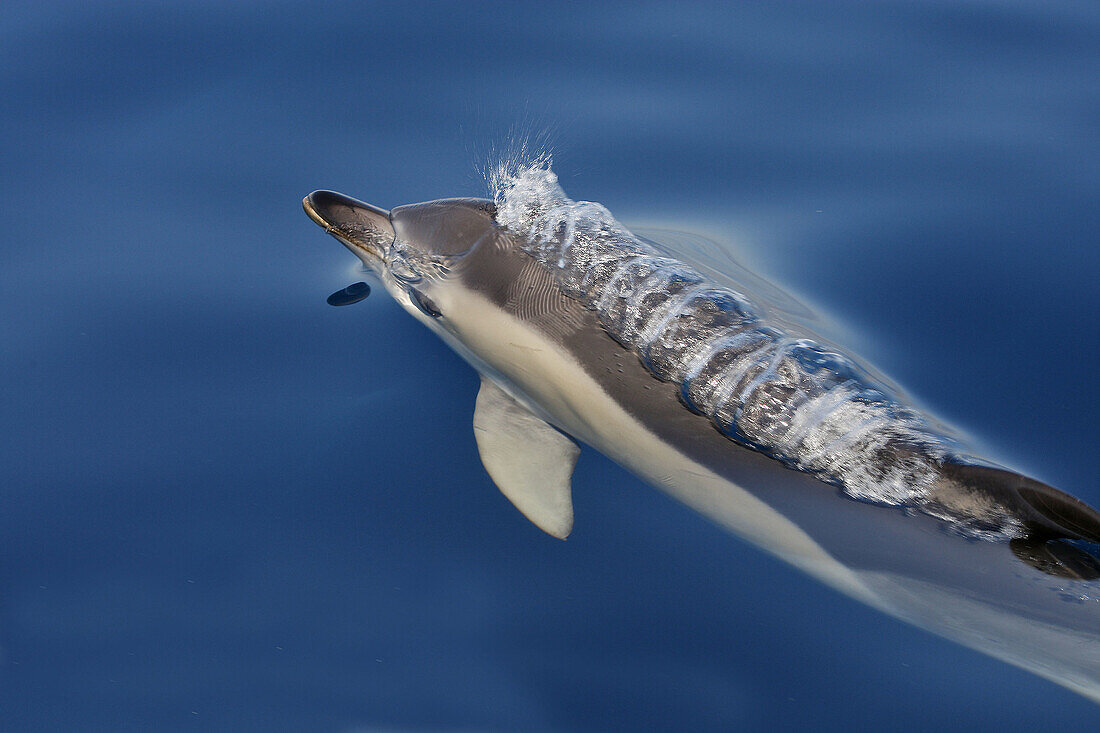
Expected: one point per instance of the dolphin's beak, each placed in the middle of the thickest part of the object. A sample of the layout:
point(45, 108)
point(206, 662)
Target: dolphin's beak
point(364, 229)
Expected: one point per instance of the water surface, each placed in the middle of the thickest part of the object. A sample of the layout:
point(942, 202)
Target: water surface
point(229, 506)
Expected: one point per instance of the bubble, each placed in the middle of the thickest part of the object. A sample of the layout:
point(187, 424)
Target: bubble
point(792, 398)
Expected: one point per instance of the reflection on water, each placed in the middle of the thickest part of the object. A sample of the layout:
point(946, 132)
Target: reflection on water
point(351, 294)
point(1057, 557)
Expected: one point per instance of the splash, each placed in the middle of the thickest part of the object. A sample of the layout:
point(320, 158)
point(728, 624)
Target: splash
point(791, 398)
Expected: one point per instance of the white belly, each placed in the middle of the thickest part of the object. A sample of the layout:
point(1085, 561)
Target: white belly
point(550, 382)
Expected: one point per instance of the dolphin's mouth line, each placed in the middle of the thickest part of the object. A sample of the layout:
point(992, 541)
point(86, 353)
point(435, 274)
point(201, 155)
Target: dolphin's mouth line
point(375, 254)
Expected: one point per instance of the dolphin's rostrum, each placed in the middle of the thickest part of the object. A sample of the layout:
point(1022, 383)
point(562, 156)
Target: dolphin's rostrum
point(581, 330)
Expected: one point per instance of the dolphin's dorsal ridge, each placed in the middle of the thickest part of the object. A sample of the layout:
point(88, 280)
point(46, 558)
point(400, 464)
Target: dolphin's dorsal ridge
point(529, 461)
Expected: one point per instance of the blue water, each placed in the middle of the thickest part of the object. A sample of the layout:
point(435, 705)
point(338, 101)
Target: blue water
point(228, 506)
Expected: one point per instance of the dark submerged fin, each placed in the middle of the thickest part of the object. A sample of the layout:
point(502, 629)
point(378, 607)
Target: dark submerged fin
point(1057, 524)
point(1046, 512)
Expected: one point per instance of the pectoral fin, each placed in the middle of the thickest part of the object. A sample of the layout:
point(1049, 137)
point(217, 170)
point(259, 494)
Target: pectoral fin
point(529, 461)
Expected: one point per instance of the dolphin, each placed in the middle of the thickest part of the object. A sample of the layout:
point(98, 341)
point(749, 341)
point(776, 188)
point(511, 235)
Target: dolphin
point(583, 332)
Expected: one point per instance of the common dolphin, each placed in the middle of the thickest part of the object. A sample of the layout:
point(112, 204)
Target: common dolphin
point(582, 331)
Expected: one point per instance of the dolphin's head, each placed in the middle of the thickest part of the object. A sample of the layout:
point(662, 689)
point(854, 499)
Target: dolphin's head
point(416, 250)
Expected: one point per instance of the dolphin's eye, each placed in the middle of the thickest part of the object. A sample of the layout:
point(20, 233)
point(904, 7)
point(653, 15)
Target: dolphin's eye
point(424, 303)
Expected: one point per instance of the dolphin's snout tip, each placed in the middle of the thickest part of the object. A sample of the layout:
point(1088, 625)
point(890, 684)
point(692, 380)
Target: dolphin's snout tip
point(359, 225)
point(329, 208)
point(311, 210)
